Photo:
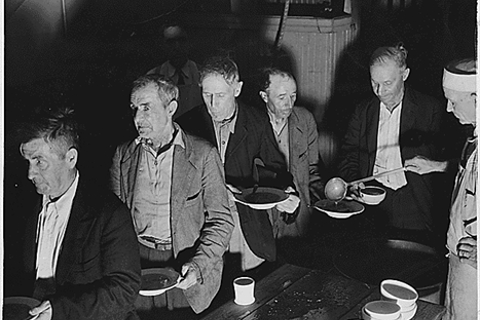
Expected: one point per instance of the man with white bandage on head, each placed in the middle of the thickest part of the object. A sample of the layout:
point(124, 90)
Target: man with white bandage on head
point(460, 87)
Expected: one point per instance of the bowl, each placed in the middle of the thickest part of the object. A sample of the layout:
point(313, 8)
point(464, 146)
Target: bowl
point(373, 195)
point(382, 310)
point(400, 292)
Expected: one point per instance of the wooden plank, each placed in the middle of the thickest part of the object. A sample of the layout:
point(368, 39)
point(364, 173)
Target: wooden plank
point(265, 290)
point(318, 295)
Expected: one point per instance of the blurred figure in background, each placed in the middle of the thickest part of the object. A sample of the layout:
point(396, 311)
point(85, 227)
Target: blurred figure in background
point(296, 133)
point(460, 87)
point(179, 68)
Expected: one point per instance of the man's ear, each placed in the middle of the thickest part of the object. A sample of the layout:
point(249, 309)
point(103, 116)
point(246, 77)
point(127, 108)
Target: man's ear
point(264, 96)
point(72, 157)
point(238, 89)
point(405, 74)
point(172, 107)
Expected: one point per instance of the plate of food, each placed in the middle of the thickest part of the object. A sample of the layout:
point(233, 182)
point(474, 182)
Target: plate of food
point(261, 198)
point(156, 281)
point(339, 210)
point(17, 308)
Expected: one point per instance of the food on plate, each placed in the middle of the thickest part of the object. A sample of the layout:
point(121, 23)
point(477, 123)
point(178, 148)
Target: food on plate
point(155, 281)
point(261, 197)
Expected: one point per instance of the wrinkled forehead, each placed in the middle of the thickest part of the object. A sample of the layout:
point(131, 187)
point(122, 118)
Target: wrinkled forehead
point(282, 82)
point(33, 147)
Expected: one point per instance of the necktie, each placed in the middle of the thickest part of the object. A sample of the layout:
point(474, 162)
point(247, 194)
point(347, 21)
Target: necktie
point(468, 150)
point(181, 78)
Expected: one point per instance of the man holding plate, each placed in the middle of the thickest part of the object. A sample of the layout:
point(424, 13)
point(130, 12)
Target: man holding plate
point(173, 184)
point(244, 138)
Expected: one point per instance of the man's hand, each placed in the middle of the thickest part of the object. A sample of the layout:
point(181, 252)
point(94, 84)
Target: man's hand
point(189, 274)
point(43, 311)
point(422, 165)
point(290, 204)
point(467, 251)
point(354, 191)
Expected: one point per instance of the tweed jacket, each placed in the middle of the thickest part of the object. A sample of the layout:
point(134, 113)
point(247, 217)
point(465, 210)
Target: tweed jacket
point(253, 138)
point(200, 219)
point(420, 122)
point(304, 160)
point(98, 270)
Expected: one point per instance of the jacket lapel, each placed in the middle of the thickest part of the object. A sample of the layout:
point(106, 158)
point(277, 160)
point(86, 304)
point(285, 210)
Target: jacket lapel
point(129, 168)
point(78, 228)
point(371, 131)
point(295, 139)
point(182, 167)
point(240, 134)
point(407, 118)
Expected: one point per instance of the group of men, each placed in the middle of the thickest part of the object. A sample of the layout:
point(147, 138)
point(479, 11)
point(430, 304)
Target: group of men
point(175, 186)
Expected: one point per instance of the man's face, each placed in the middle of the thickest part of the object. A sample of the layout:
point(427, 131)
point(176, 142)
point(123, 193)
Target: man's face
point(152, 119)
point(462, 105)
point(219, 96)
point(280, 96)
point(50, 172)
point(387, 80)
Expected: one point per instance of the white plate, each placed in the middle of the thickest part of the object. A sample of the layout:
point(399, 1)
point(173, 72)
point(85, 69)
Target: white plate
point(173, 278)
point(346, 209)
point(273, 197)
point(19, 302)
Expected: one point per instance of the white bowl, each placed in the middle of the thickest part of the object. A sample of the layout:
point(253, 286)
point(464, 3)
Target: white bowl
point(408, 314)
point(400, 292)
point(373, 195)
point(382, 310)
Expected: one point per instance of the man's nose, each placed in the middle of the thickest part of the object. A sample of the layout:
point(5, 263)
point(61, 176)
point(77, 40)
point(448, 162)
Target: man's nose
point(32, 171)
point(449, 106)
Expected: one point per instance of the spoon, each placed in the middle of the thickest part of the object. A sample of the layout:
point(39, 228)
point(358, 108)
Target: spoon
point(336, 188)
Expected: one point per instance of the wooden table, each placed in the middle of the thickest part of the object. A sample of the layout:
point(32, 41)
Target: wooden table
point(297, 293)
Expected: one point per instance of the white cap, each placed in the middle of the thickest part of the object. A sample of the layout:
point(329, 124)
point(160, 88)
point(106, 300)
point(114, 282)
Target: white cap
point(459, 82)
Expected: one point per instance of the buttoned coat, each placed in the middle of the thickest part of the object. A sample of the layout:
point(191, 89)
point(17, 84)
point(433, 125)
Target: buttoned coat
point(304, 160)
point(252, 138)
point(98, 269)
point(420, 123)
point(200, 219)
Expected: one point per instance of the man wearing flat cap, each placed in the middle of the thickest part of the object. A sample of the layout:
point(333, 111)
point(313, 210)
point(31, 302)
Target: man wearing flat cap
point(460, 86)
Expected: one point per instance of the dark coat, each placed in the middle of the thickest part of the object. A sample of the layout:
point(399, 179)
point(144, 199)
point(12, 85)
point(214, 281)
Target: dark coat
point(253, 138)
point(98, 270)
point(410, 207)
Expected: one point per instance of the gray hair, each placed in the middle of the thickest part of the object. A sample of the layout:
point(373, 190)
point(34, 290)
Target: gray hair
point(167, 90)
point(220, 65)
point(58, 128)
point(266, 73)
point(397, 53)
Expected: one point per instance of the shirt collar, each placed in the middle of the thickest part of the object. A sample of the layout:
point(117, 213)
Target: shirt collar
point(67, 196)
point(177, 141)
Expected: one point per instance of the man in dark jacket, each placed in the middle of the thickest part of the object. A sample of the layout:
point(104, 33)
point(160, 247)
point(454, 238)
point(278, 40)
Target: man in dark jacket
point(81, 254)
point(242, 134)
point(398, 124)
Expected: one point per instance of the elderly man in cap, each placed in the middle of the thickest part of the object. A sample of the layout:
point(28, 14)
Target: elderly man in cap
point(179, 68)
point(459, 86)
